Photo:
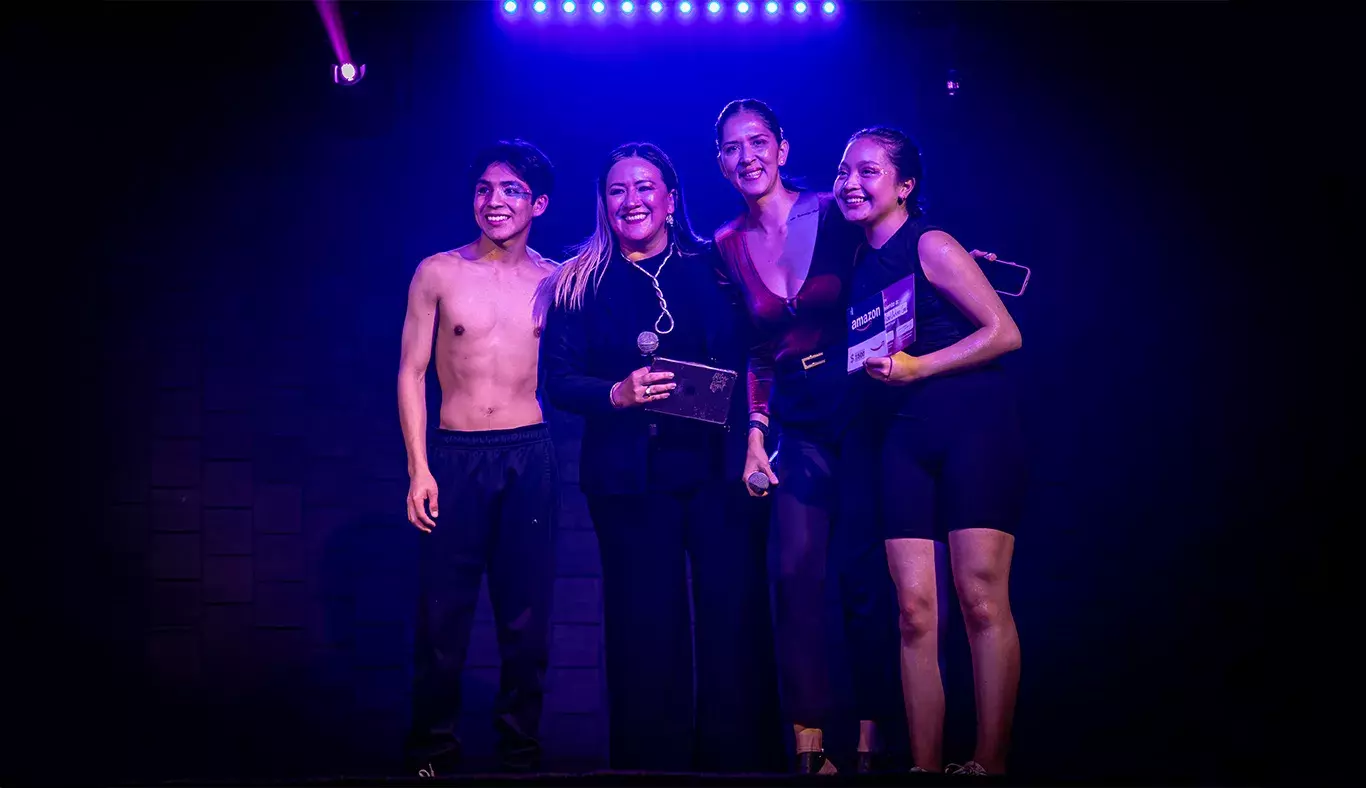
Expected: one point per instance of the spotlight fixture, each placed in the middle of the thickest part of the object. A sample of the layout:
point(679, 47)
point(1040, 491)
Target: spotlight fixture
point(348, 73)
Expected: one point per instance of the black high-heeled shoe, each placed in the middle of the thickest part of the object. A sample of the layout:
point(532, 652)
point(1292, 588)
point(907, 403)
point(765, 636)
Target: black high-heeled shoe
point(870, 763)
point(815, 763)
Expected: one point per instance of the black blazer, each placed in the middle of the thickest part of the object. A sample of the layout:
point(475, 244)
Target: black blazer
point(585, 351)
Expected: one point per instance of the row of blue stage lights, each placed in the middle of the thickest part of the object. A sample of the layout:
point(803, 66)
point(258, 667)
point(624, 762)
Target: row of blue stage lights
point(683, 7)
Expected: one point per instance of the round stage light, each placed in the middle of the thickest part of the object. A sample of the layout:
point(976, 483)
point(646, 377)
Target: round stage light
point(570, 6)
point(510, 6)
point(348, 73)
point(828, 7)
point(742, 7)
point(799, 6)
point(771, 7)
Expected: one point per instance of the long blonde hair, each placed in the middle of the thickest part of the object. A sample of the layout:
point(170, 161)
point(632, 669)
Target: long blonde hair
point(568, 286)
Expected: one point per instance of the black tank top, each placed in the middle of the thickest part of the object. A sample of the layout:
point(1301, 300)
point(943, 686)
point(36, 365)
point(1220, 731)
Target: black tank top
point(938, 323)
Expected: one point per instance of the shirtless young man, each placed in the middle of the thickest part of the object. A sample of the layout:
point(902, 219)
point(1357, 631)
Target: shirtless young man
point(490, 461)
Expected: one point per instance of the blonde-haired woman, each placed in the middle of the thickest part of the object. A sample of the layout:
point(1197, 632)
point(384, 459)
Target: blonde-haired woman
point(660, 488)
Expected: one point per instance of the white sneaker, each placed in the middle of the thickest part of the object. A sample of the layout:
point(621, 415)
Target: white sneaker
point(972, 768)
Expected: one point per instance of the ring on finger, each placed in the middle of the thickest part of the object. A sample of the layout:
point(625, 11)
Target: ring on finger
point(649, 391)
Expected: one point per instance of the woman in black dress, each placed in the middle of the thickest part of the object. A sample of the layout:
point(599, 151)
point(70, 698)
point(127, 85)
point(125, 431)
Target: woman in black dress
point(789, 256)
point(660, 488)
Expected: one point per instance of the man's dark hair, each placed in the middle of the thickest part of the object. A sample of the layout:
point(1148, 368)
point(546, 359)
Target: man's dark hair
point(520, 156)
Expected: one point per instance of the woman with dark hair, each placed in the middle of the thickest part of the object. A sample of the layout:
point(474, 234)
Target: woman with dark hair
point(952, 461)
point(659, 487)
point(790, 254)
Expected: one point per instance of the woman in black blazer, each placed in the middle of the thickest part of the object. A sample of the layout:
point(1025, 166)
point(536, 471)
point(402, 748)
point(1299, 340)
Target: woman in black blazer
point(660, 488)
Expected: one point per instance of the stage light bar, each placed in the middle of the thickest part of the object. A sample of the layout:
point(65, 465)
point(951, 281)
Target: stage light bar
point(740, 10)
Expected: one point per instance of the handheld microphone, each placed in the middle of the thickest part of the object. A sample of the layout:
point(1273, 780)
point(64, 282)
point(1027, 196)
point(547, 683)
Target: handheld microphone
point(647, 342)
point(758, 481)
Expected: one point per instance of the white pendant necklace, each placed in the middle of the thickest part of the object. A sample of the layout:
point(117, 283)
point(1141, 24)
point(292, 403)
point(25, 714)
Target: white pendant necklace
point(659, 293)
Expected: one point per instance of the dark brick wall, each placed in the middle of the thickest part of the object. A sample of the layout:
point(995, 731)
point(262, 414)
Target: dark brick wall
point(255, 511)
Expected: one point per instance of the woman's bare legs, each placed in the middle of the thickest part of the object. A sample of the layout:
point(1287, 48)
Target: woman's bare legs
point(911, 562)
point(981, 573)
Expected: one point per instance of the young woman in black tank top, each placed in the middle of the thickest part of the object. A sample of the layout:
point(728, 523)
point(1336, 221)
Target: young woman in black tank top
point(940, 437)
